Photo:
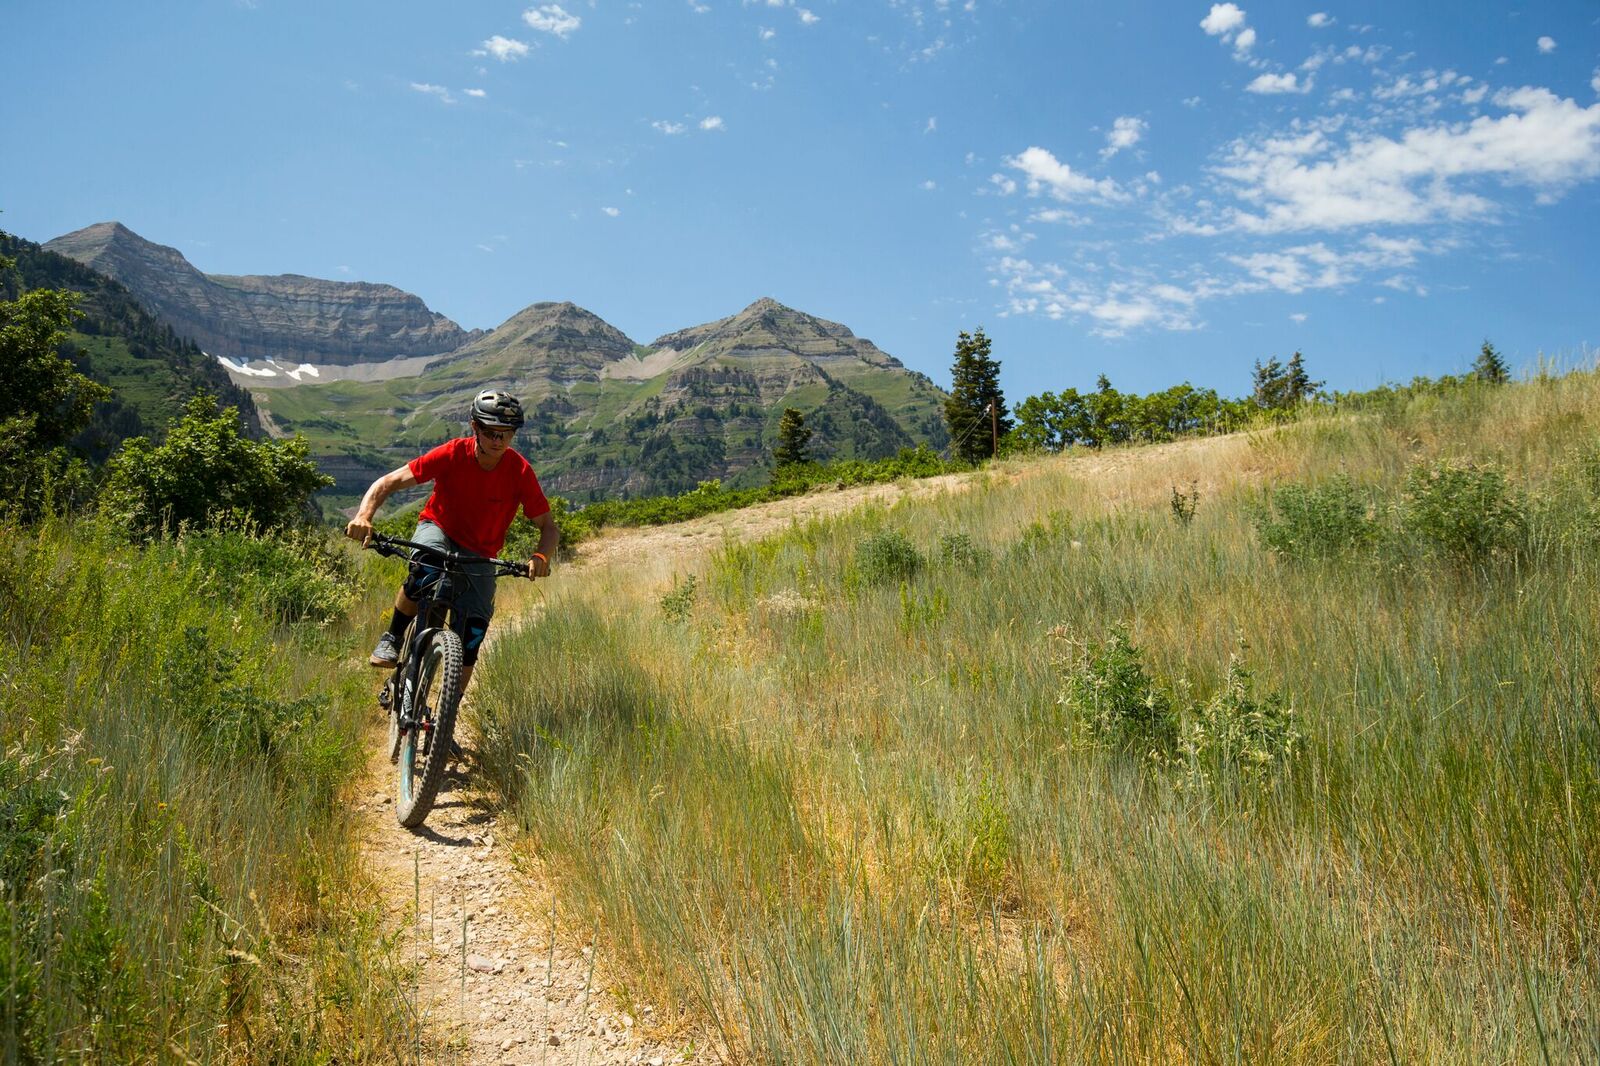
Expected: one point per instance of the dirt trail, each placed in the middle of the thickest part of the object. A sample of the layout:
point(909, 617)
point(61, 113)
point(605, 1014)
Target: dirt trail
point(528, 989)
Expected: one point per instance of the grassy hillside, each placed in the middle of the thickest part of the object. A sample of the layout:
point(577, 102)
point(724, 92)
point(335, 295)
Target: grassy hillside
point(152, 371)
point(1272, 748)
point(178, 727)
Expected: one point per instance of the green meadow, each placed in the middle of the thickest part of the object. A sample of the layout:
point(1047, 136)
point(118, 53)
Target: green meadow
point(1275, 747)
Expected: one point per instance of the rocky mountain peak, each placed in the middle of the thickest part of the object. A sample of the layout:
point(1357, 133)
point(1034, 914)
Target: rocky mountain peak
point(289, 318)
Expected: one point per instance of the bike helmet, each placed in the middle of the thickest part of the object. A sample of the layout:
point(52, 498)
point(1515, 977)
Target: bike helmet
point(497, 410)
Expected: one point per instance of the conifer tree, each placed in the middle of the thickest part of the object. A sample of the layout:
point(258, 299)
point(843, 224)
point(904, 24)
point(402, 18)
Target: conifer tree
point(1490, 366)
point(975, 385)
point(794, 437)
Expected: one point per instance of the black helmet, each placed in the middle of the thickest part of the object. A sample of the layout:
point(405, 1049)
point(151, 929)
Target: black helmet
point(497, 410)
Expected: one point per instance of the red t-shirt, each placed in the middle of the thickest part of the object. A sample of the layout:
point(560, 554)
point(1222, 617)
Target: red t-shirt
point(472, 505)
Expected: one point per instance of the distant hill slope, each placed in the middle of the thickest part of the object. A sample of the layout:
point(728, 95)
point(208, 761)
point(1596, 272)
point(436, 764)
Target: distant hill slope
point(152, 371)
point(285, 317)
point(608, 416)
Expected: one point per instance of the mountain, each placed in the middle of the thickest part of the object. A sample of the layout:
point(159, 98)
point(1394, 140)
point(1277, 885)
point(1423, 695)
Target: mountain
point(286, 318)
point(151, 370)
point(608, 416)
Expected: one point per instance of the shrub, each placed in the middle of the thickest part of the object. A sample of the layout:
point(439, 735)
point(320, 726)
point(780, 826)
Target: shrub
point(677, 604)
point(205, 474)
point(1113, 700)
point(887, 556)
point(295, 575)
point(958, 550)
point(1239, 733)
point(1464, 510)
point(1184, 503)
point(1318, 522)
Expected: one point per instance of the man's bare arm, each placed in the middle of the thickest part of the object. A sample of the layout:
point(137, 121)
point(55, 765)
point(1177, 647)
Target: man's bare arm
point(360, 527)
point(549, 541)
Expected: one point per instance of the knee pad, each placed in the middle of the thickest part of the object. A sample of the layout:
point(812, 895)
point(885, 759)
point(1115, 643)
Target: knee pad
point(472, 639)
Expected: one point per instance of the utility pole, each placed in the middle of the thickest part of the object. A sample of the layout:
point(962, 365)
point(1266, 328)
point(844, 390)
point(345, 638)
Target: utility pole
point(994, 430)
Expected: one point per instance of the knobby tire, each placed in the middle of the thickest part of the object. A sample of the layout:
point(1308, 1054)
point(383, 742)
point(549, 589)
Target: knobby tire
point(438, 684)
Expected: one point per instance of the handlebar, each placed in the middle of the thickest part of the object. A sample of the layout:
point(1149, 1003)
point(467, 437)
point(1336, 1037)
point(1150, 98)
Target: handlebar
point(449, 560)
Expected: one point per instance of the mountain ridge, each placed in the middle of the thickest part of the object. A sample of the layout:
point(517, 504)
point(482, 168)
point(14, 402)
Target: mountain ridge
point(291, 318)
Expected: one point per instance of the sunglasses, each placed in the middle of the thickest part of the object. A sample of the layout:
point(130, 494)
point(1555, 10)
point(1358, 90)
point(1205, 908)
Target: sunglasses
point(497, 434)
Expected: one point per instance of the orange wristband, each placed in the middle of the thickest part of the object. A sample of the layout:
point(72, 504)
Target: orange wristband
point(541, 556)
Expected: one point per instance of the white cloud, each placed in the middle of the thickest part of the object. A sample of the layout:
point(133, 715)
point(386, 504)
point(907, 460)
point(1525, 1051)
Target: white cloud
point(1547, 45)
point(1298, 318)
point(1319, 20)
point(766, 34)
point(434, 90)
point(1223, 20)
point(1317, 266)
point(553, 19)
point(712, 122)
point(1245, 40)
point(1278, 83)
point(1594, 81)
point(505, 49)
point(1474, 95)
point(699, 8)
point(612, 211)
point(671, 129)
point(1003, 183)
point(1307, 182)
point(807, 18)
point(932, 126)
point(1045, 173)
point(1191, 101)
point(1125, 132)
point(930, 185)
point(478, 94)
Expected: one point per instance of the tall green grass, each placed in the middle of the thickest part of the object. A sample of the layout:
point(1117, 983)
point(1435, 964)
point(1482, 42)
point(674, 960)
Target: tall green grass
point(846, 812)
point(178, 726)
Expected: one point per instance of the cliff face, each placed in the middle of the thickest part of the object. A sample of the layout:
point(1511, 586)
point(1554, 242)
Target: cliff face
point(286, 317)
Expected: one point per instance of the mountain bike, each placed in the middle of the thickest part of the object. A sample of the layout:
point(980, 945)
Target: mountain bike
point(423, 691)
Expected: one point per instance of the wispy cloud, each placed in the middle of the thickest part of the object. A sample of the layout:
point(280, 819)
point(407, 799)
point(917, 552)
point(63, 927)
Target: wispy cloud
point(612, 212)
point(477, 94)
point(1547, 45)
point(438, 91)
point(552, 19)
point(1125, 132)
point(671, 129)
point(1047, 174)
point(712, 122)
point(1310, 182)
point(505, 49)
point(1269, 84)
point(1319, 20)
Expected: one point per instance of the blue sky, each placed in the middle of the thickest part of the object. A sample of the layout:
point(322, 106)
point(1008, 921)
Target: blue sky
point(1156, 191)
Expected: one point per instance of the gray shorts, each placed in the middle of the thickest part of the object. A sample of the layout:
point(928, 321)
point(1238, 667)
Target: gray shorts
point(474, 590)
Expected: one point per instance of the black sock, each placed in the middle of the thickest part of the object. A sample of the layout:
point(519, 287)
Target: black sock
point(398, 624)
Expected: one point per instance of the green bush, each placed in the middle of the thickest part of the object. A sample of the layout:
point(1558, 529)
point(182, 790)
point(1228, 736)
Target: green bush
point(1239, 733)
point(295, 575)
point(957, 549)
point(1465, 511)
point(677, 604)
point(206, 475)
point(1113, 700)
point(887, 556)
point(1319, 521)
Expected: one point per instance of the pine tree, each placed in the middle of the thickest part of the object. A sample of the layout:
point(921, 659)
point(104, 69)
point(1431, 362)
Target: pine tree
point(1490, 366)
point(975, 385)
point(794, 436)
point(1298, 386)
point(1279, 387)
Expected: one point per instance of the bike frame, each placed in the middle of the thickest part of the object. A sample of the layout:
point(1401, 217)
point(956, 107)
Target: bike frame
point(433, 614)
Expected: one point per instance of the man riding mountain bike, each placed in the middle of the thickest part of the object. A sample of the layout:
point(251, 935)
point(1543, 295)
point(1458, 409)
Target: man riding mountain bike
point(478, 483)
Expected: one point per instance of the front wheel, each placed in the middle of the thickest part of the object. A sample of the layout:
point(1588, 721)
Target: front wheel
point(425, 747)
